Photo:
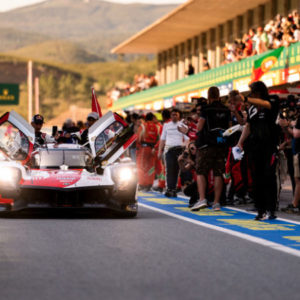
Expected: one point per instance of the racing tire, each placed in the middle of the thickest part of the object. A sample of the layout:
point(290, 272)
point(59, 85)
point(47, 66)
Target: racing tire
point(125, 213)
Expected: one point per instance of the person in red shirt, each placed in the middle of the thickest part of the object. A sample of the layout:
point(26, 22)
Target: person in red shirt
point(148, 137)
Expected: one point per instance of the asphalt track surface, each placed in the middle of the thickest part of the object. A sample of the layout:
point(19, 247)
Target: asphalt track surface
point(154, 256)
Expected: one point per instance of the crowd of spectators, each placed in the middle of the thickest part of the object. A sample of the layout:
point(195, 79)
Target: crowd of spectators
point(140, 83)
point(200, 156)
point(282, 31)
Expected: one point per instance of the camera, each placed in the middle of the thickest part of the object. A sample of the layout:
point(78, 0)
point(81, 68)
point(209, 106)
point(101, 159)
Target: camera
point(289, 109)
point(185, 154)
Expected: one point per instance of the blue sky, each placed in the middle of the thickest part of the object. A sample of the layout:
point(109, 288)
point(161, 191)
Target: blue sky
point(11, 4)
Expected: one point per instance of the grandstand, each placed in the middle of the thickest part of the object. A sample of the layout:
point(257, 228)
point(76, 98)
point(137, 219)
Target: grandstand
point(200, 29)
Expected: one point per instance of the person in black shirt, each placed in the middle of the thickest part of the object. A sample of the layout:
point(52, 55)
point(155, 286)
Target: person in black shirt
point(293, 128)
point(41, 138)
point(296, 135)
point(191, 70)
point(91, 119)
point(260, 139)
point(213, 121)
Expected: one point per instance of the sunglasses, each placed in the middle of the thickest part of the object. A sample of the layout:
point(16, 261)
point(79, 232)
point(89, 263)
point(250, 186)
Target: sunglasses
point(38, 122)
point(192, 148)
point(91, 119)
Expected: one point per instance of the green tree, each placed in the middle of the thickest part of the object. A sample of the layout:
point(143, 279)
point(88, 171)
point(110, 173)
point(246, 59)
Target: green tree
point(48, 86)
point(67, 87)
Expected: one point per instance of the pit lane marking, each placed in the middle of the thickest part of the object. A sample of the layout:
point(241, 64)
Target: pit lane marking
point(190, 217)
point(206, 212)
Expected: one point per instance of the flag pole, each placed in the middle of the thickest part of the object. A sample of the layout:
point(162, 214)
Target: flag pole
point(29, 89)
point(37, 95)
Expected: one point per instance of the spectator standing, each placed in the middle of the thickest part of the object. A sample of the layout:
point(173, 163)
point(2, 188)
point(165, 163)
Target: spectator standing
point(235, 108)
point(42, 138)
point(296, 135)
point(172, 142)
point(190, 70)
point(205, 64)
point(134, 119)
point(91, 119)
point(166, 116)
point(214, 120)
point(261, 134)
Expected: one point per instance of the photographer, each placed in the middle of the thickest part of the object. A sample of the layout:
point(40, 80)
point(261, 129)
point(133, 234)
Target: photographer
point(296, 134)
point(290, 123)
point(187, 162)
point(287, 121)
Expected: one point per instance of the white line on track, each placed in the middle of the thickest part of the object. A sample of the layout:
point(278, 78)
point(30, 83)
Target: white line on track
point(228, 231)
point(253, 213)
point(244, 211)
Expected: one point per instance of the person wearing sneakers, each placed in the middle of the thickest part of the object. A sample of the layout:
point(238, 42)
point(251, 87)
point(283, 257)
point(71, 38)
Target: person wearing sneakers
point(260, 140)
point(171, 143)
point(214, 119)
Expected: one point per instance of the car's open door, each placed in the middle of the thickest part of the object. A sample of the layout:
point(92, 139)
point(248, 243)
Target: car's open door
point(109, 137)
point(16, 137)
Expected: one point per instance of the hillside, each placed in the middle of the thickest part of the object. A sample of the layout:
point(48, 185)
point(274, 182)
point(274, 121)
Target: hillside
point(12, 39)
point(57, 51)
point(96, 25)
point(66, 85)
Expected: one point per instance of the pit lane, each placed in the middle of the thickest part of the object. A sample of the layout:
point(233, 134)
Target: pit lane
point(154, 256)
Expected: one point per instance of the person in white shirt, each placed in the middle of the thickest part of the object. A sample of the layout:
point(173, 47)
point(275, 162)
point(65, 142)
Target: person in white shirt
point(171, 143)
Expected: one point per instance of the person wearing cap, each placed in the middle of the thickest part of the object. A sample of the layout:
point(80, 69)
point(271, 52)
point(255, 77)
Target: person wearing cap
point(40, 137)
point(91, 119)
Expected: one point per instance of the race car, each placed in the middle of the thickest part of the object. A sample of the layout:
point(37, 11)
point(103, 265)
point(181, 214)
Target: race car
point(67, 175)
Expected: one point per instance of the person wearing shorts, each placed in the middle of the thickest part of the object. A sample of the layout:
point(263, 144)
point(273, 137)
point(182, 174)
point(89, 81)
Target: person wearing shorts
point(211, 158)
point(214, 119)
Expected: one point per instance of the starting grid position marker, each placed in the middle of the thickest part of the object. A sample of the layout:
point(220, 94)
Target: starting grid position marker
point(277, 234)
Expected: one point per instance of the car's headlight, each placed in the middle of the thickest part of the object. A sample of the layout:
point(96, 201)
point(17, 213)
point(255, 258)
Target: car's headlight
point(2, 156)
point(124, 174)
point(9, 175)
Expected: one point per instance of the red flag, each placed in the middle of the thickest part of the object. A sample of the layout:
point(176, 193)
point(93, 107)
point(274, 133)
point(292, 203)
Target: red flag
point(95, 104)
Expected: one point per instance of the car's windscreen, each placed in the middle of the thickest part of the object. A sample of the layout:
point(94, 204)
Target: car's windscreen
point(13, 142)
point(54, 158)
point(107, 138)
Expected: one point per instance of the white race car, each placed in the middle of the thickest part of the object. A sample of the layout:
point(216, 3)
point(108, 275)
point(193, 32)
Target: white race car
point(67, 175)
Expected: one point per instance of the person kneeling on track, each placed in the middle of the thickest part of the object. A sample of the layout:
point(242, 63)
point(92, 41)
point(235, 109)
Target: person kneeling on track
point(187, 162)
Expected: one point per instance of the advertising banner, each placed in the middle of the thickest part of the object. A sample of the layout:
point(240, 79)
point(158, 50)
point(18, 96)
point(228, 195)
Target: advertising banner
point(9, 94)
